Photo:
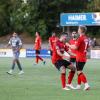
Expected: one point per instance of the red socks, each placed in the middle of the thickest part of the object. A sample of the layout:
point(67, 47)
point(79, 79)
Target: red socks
point(38, 58)
point(82, 78)
point(70, 77)
point(63, 80)
point(79, 80)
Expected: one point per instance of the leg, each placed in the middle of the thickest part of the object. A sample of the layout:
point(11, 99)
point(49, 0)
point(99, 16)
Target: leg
point(63, 76)
point(81, 75)
point(13, 64)
point(71, 76)
point(13, 67)
point(19, 65)
point(37, 60)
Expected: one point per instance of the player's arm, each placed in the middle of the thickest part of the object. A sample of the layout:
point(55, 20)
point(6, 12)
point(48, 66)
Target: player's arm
point(59, 52)
point(71, 53)
point(20, 44)
point(9, 44)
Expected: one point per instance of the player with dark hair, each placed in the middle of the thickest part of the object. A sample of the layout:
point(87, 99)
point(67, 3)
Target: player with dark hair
point(72, 41)
point(38, 47)
point(16, 44)
point(81, 47)
point(52, 41)
point(58, 60)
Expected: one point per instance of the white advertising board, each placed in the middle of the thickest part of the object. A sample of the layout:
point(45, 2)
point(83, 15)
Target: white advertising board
point(95, 54)
point(9, 53)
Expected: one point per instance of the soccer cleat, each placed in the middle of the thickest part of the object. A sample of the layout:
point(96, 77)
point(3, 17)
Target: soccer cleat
point(21, 72)
point(70, 86)
point(35, 64)
point(44, 62)
point(10, 72)
point(78, 87)
point(66, 88)
point(86, 88)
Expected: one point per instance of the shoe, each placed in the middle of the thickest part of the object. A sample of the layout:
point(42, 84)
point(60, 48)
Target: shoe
point(44, 62)
point(35, 64)
point(66, 88)
point(86, 88)
point(78, 87)
point(10, 72)
point(70, 86)
point(21, 72)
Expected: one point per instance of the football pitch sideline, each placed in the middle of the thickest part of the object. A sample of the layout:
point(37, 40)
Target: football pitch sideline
point(42, 82)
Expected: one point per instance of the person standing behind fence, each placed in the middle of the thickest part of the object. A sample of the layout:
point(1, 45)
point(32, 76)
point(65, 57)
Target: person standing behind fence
point(37, 48)
point(16, 44)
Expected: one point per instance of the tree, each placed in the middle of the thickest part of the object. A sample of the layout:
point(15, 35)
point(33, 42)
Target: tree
point(4, 17)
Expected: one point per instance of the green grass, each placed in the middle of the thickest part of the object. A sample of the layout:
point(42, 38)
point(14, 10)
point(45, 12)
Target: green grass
point(42, 82)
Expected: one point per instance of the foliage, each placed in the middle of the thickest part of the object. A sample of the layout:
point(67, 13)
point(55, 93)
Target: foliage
point(39, 15)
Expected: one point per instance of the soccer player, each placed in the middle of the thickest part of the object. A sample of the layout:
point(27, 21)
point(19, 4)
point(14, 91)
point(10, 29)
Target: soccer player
point(16, 44)
point(38, 48)
point(81, 47)
point(72, 41)
point(58, 60)
point(52, 41)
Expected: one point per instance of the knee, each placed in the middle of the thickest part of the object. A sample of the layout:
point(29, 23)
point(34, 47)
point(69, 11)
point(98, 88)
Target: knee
point(63, 70)
point(79, 72)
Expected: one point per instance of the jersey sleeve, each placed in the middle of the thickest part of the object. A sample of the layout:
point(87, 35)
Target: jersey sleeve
point(20, 42)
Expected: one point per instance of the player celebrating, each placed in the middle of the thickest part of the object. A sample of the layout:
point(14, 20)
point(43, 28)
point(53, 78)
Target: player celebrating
point(38, 47)
point(59, 62)
point(72, 41)
point(16, 45)
point(52, 41)
point(81, 46)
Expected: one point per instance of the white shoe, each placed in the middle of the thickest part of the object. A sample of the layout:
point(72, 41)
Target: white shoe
point(66, 88)
point(21, 72)
point(70, 86)
point(10, 72)
point(78, 87)
point(87, 87)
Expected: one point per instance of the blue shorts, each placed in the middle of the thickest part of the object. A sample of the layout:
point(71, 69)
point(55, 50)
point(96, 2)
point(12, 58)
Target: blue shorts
point(16, 54)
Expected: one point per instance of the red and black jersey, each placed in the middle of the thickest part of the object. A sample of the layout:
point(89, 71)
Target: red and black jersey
point(52, 41)
point(38, 43)
point(73, 42)
point(58, 46)
point(82, 46)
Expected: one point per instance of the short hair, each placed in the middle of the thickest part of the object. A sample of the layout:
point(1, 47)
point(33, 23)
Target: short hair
point(64, 34)
point(83, 28)
point(38, 32)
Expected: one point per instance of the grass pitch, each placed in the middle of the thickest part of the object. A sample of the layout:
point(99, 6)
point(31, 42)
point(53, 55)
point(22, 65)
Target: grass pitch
point(41, 82)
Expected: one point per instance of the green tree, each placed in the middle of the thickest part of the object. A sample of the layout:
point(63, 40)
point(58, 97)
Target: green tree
point(4, 17)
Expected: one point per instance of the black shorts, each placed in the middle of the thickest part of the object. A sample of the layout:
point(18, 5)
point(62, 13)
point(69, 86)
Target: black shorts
point(73, 60)
point(60, 63)
point(80, 66)
point(37, 51)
